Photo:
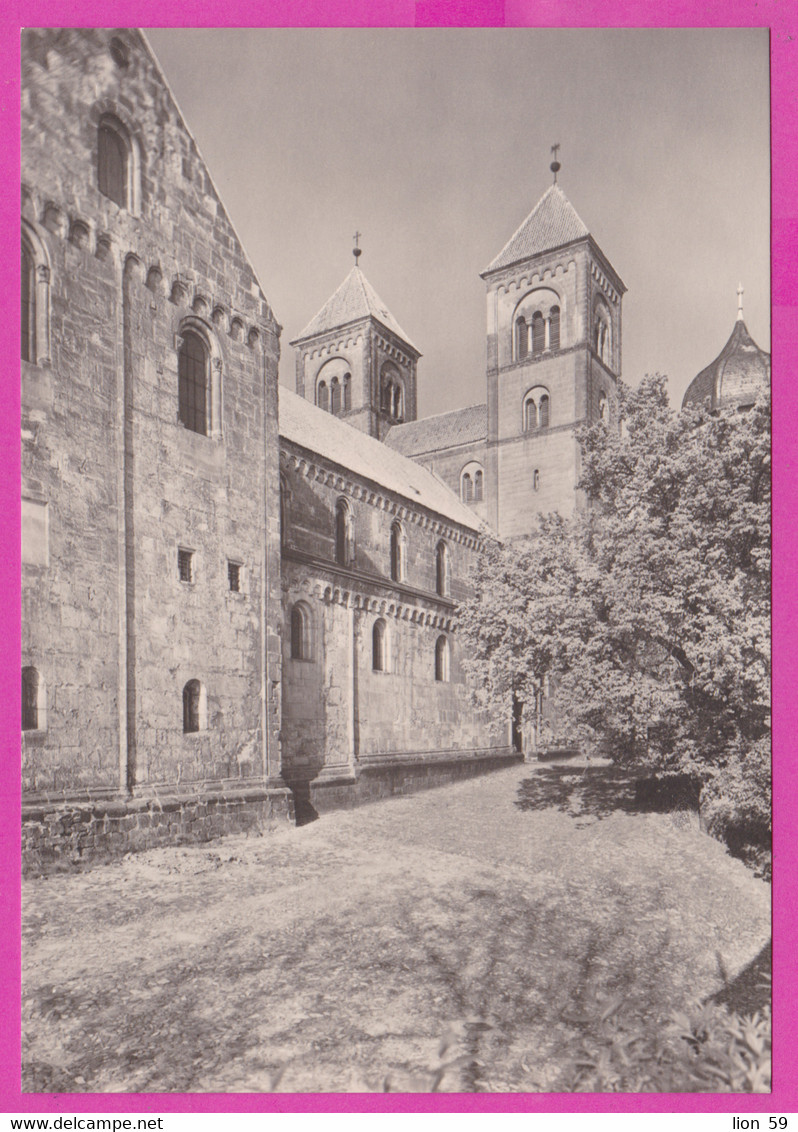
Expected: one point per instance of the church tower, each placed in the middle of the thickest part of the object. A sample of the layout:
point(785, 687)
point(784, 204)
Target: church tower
point(354, 360)
point(553, 359)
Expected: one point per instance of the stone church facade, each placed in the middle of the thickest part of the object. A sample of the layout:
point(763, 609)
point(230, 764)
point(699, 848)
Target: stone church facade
point(237, 608)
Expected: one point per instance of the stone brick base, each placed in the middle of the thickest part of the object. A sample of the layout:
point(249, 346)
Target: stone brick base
point(60, 834)
point(387, 777)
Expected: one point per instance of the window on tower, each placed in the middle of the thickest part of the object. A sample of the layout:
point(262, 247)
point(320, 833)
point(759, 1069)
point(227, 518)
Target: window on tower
point(537, 409)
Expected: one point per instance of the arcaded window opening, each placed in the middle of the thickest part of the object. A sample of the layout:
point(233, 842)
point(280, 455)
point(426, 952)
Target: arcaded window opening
point(536, 324)
point(477, 486)
point(537, 409)
point(323, 396)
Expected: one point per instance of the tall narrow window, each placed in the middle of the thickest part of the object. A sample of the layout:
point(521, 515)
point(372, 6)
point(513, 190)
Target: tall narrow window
point(554, 328)
point(112, 161)
point(185, 565)
point(28, 297)
point(234, 577)
point(194, 707)
point(30, 700)
point(442, 659)
point(530, 415)
point(442, 569)
point(536, 480)
point(379, 647)
point(477, 486)
point(323, 396)
point(538, 333)
point(192, 373)
point(521, 339)
point(543, 411)
point(603, 407)
point(347, 390)
point(300, 632)
point(344, 534)
point(397, 553)
point(467, 488)
point(335, 396)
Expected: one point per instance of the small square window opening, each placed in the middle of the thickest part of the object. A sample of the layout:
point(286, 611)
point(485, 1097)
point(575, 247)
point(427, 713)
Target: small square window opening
point(234, 577)
point(185, 565)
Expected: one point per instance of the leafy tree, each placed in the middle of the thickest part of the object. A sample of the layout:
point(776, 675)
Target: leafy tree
point(649, 608)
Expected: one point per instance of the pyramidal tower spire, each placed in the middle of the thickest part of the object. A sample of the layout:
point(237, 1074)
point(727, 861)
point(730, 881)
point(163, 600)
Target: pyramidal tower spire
point(354, 360)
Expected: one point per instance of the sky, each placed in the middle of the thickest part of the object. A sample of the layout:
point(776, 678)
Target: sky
point(435, 145)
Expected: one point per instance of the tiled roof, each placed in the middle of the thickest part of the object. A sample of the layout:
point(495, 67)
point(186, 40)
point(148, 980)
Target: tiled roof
point(311, 428)
point(354, 299)
point(735, 377)
point(552, 222)
point(446, 430)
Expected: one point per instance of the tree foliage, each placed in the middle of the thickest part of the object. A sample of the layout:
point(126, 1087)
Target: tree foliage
point(650, 608)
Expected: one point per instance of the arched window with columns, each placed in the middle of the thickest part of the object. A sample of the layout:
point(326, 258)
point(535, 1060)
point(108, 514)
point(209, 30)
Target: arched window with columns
point(538, 333)
point(323, 396)
point(537, 323)
point(554, 328)
point(335, 396)
point(537, 409)
point(521, 338)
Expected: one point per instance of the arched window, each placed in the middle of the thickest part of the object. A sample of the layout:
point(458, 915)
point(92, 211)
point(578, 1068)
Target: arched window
point(35, 296)
point(554, 328)
point(467, 488)
point(442, 569)
point(33, 706)
point(603, 408)
point(538, 333)
point(536, 480)
point(537, 409)
point(344, 534)
point(398, 545)
point(477, 486)
point(379, 647)
point(335, 396)
point(195, 707)
point(193, 366)
point(347, 388)
point(521, 338)
point(323, 396)
point(442, 659)
point(113, 161)
point(28, 302)
point(300, 632)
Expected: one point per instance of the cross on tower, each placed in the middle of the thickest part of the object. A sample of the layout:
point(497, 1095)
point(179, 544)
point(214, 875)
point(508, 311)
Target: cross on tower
point(739, 302)
point(555, 165)
point(357, 250)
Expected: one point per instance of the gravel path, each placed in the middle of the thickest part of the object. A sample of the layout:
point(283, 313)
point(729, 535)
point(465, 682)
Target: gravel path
point(495, 913)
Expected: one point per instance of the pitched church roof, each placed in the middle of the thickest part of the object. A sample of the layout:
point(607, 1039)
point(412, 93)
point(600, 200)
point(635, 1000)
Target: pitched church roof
point(739, 372)
point(304, 424)
point(354, 299)
point(552, 222)
point(446, 430)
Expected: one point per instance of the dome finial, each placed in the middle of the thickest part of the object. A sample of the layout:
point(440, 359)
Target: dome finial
point(555, 165)
point(357, 251)
point(739, 302)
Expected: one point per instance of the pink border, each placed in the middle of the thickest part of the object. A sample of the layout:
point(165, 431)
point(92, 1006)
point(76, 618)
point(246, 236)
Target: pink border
point(780, 18)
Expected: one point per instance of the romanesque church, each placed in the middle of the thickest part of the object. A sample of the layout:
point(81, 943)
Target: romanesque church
point(239, 602)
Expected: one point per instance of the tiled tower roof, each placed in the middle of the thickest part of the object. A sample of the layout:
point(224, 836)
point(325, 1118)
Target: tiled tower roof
point(735, 377)
point(354, 299)
point(552, 222)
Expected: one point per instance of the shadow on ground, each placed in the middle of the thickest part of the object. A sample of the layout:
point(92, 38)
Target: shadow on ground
point(751, 989)
point(599, 791)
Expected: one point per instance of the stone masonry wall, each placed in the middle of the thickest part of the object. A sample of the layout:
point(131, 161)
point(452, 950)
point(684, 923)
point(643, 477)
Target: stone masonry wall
point(113, 631)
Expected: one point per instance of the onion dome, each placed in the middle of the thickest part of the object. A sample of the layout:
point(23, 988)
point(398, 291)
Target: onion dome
point(736, 377)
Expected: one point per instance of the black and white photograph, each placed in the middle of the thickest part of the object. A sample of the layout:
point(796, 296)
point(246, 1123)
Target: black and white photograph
point(396, 560)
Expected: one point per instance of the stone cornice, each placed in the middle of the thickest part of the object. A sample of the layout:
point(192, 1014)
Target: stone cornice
point(312, 466)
